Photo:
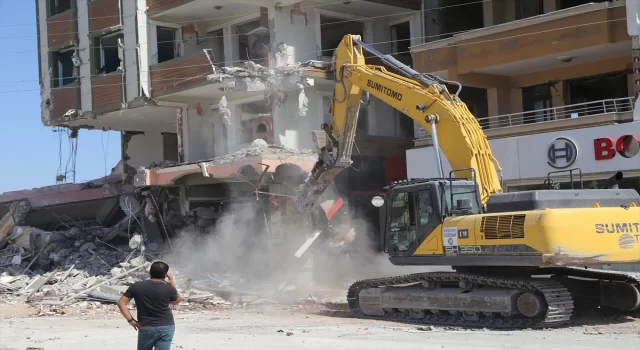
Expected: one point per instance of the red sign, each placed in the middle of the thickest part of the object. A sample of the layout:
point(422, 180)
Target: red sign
point(627, 146)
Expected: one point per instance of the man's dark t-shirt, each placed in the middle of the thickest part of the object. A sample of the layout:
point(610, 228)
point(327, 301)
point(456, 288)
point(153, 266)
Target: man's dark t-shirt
point(152, 301)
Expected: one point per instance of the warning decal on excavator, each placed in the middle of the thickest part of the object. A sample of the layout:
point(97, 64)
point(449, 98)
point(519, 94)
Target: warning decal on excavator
point(450, 236)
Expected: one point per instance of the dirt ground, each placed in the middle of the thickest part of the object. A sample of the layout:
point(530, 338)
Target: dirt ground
point(311, 327)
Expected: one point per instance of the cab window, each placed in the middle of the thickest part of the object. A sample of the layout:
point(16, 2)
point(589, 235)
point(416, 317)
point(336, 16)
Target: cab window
point(461, 192)
point(425, 207)
point(403, 222)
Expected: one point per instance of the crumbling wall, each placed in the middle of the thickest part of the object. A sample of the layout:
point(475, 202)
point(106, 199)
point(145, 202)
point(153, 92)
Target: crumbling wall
point(142, 149)
point(295, 30)
point(198, 132)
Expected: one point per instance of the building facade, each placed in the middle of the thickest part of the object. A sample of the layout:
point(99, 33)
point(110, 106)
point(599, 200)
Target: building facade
point(190, 80)
point(552, 83)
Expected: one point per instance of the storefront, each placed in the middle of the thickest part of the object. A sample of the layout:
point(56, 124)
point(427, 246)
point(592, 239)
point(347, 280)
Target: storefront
point(527, 161)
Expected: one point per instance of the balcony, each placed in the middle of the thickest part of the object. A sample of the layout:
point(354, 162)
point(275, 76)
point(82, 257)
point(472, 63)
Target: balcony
point(179, 74)
point(207, 12)
point(104, 15)
point(580, 34)
point(60, 29)
point(191, 79)
point(107, 92)
point(582, 115)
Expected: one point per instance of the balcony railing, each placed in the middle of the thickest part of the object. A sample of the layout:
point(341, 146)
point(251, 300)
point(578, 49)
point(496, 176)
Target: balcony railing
point(579, 110)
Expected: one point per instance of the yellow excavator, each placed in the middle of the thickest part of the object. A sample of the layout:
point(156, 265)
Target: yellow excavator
point(521, 259)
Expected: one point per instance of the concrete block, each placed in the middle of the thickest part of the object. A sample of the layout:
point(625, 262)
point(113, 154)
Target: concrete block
point(114, 290)
point(35, 283)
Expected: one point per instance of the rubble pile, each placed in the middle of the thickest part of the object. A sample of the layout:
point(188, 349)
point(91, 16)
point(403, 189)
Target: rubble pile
point(68, 267)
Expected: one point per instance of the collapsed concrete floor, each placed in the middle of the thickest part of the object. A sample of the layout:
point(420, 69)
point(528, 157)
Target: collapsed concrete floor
point(74, 243)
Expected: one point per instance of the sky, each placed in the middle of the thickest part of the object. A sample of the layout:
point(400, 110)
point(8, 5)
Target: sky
point(29, 151)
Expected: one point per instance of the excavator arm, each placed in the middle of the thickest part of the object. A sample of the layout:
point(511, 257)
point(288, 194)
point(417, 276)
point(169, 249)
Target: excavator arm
point(422, 97)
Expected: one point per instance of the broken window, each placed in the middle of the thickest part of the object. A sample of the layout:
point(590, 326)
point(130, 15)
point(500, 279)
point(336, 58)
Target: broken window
point(59, 6)
point(332, 30)
point(536, 100)
point(170, 146)
point(528, 8)
point(108, 52)
point(401, 39)
point(63, 71)
point(216, 44)
point(168, 43)
point(565, 4)
point(249, 130)
point(253, 42)
point(445, 18)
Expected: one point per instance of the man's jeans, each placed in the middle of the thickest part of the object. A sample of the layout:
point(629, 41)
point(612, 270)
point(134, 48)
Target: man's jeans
point(159, 337)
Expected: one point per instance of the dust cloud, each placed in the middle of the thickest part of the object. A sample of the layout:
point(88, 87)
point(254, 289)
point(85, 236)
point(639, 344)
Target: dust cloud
point(243, 252)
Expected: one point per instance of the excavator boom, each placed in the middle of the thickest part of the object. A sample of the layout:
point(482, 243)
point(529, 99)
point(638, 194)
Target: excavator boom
point(422, 97)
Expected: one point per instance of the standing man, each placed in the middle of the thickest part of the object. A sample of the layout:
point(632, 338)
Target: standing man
point(153, 298)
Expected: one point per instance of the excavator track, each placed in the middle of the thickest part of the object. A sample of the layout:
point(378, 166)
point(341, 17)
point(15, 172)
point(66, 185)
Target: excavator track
point(557, 298)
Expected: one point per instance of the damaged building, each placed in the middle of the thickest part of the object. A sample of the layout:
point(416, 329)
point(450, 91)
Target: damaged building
point(212, 98)
point(202, 92)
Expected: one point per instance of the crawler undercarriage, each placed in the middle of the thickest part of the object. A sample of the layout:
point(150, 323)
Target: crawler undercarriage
point(545, 297)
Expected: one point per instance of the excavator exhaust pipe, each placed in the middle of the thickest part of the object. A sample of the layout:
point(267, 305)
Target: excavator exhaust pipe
point(614, 181)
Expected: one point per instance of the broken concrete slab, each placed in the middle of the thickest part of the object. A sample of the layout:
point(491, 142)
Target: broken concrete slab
point(113, 290)
point(35, 283)
point(105, 297)
point(16, 216)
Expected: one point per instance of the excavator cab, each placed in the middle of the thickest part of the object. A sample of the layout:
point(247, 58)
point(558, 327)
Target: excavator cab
point(414, 209)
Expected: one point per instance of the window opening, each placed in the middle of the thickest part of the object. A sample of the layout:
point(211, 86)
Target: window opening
point(167, 43)
point(401, 39)
point(59, 6)
point(63, 69)
point(332, 30)
point(109, 53)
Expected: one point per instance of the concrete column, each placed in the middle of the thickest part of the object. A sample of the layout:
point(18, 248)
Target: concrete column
point(84, 53)
point(189, 36)
point(487, 13)
point(130, 50)
point(199, 126)
point(431, 22)
point(549, 6)
point(293, 39)
point(510, 10)
point(219, 135)
point(295, 29)
point(145, 49)
point(558, 98)
point(234, 128)
point(499, 101)
point(230, 47)
point(516, 104)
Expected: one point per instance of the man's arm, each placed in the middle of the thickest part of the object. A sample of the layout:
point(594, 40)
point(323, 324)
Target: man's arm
point(124, 309)
point(172, 283)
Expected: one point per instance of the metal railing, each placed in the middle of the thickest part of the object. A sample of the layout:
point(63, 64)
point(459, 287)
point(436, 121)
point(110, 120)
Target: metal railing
point(579, 110)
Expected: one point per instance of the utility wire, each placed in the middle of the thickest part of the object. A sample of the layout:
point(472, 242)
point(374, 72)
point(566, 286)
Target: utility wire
point(316, 51)
point(150, 13)
point(240, 34)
